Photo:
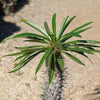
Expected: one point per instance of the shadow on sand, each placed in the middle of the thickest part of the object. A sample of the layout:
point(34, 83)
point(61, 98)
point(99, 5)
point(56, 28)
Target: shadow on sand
point(8, 28)
point(96, 93)
point(20, 4)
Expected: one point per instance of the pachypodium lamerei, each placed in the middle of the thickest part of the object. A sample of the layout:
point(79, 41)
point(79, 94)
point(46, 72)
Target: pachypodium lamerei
point(53, 45)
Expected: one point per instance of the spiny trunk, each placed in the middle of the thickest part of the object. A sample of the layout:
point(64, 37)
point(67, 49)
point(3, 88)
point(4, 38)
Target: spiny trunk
point(54, 90)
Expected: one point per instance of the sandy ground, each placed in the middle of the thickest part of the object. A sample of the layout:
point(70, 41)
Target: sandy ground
point(82, 83)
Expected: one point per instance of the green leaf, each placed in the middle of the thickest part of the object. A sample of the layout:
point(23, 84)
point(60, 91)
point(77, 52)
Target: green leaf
point(48, 60)
point(59, 44)
point(33, 50)
point(92, 41)
point(95, 50)
point(80, 49)
point(82, 30)
point(42, 88)
point(42, 60)
point(19, 57)
point(66, 25)
point(60, 62)
point(30, 47)
point(47, 29)
point(26, 35)
point(9, 37)
point(69, 35)
point(83, 41)
point(79, 45)
point(23, 63)
point(68, 22)
point(85, 45)
point(35, 27)
point(34, 39)
point(74, 58)
point(53, 63)
point(42, 96)
point(62, 28)
point(76, 33)
point(82, 53)
point(14, 54)
point(54, 24)
point(81, 26)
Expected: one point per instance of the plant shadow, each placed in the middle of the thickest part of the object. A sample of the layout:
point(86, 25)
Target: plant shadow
point(7, 28)
point(96, 93)
point(19, 5)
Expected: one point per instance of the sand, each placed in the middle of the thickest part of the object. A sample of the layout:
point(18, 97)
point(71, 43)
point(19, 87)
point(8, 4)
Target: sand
point(82, 83)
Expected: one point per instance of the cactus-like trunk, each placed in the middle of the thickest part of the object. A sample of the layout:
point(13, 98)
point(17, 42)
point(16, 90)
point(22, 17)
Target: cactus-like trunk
point(54, 90)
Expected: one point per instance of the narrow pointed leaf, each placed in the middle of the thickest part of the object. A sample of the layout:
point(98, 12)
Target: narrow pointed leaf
point(62, 28)
point(78, 28)
point(9, 37)
point(39, 41)
point(42, 60)
point(35, 27)
point(81, 50)
point(66, 25)
point(80, 45)
point(30, 47)
point(60, 62)
point(68, 22)
point(59, 44)
point(48, 60)
point(86, 45)
point(74, 58)
point(33, 39)
point(92, 41)
point(21, 65)
point(54, 24)
point(95, 50)
point(82, 30)
point(82, 53)
point(47, 28)
point(33, 50)
point(53, 63)
point(19, 57)
point(83, 41)
point(69, 35)
point(22, 61)
point(26, 35)
point(14, 54)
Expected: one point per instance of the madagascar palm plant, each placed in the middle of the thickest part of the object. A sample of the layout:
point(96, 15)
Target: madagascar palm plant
point(53, 45)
